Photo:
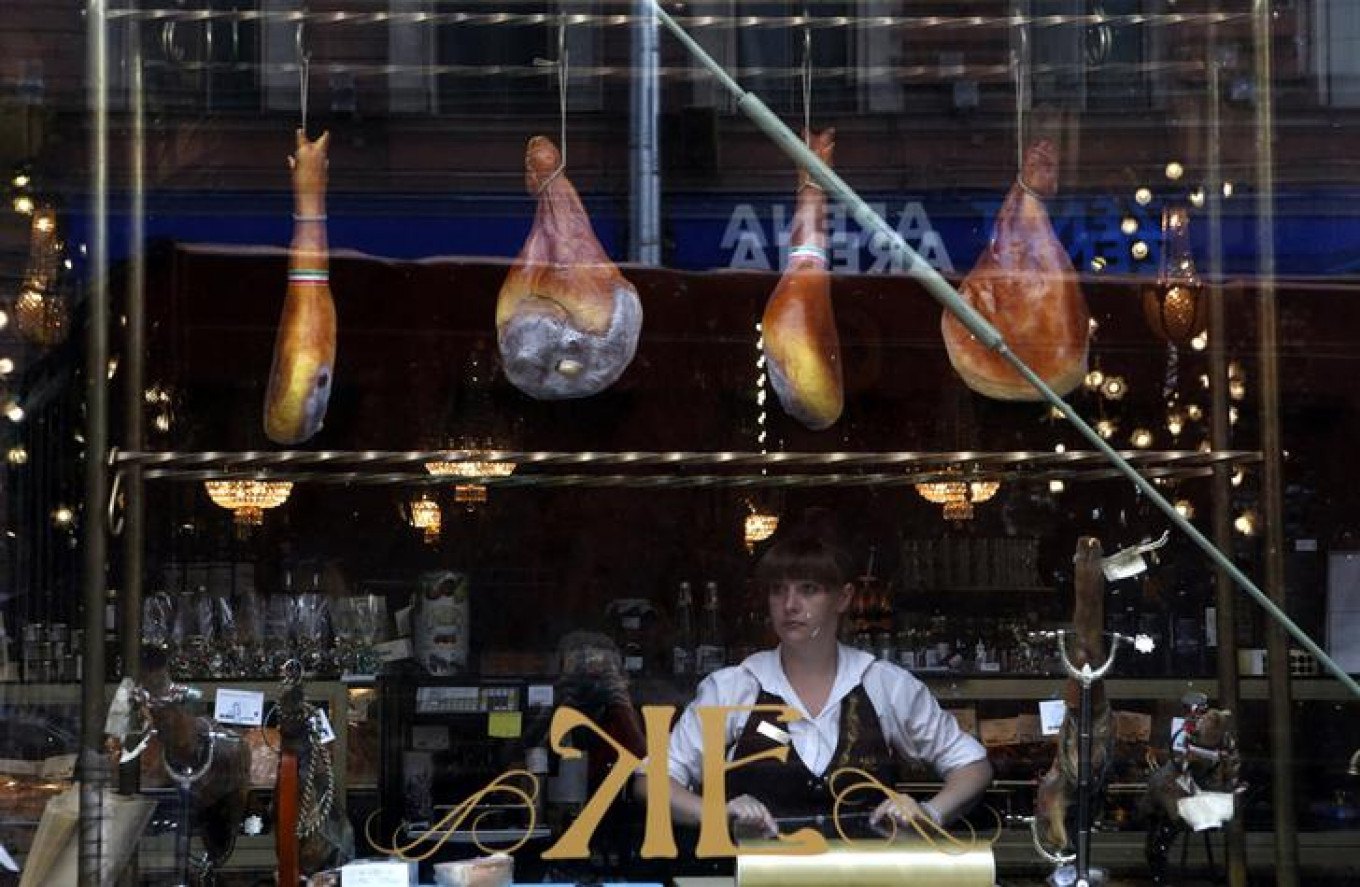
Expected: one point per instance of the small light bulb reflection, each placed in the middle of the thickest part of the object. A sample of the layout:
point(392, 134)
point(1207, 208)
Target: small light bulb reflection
point(1185, 508)
point(1054, 413)
point(1141, 438)
point(1060, 448)
point(161, 422)
point(1175, 422)
point(1197, 198)
point(1144, 643)
point(1056, 486)
point(23, 204)
point(6, 366)
point(1098, 264)
point(1246, 523)
point(21, 180)
point(63, 516)
point(17, 455)
point(1174, 171)
point(1139, 250)
point(1106, 428)
point(1143, 196)
point(14, 412)
point(1237, 389)
point(1204, 380)
point(1238, 476)
point(1228, 189)
point(1094, 379)
point(1200, 342)
point(1205, 446)
point(1114, 388)
point(1233, 415)
point(1194, 412)
point(1129, 226)
point(4, 320)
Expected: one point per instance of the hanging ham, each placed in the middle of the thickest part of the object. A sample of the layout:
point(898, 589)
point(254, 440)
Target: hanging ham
point(802, 348)
point(567, 321)
point(304, 348)
point(1024, 284)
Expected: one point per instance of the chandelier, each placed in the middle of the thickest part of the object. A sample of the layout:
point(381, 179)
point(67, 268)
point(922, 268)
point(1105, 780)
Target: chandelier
point(248, 499)
point(472, 470)
point(760, 525)
point(958, 496)
point(426, 517)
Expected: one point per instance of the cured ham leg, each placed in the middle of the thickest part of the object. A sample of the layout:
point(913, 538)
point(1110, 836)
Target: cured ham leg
point(1024, 284)
point(566, 320)
point(801, 344)
point(1058, 787)
point(304, 349)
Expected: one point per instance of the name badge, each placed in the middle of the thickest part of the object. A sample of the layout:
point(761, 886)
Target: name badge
point(770, 731)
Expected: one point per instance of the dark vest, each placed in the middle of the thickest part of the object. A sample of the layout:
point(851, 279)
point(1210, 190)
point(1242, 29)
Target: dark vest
point(790, 789)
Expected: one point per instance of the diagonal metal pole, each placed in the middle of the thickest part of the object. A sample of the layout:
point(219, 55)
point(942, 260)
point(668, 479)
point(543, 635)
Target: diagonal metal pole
point(939, 288)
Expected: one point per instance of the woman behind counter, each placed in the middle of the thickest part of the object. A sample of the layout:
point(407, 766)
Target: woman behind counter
point(856, 711)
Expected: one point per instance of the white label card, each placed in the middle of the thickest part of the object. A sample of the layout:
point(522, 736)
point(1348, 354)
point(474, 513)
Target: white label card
point(1051, 714)
point(322, 725)
point(243, 708)
point(540, 695)
point(376, 874)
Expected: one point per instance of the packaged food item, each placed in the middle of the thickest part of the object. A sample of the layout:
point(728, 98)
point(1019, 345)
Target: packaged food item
point(440, 623)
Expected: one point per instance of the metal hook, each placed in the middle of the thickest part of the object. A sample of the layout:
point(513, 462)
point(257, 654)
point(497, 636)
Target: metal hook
point(1099, 38)
point(304, 60)
point(115, 509)
point(173, 52)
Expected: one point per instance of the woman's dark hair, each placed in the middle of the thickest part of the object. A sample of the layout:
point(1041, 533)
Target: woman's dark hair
point(809, 550)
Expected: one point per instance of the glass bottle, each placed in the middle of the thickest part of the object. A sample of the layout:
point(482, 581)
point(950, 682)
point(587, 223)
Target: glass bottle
point(710, 655)
point(682, 650)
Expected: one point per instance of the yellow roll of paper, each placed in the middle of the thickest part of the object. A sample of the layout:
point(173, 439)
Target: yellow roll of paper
point(866, 865)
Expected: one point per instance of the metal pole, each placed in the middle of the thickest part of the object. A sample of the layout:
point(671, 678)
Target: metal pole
point(645, 196)
point(1225, 596)
point(1272, 482)
point(93, 768)
point(986, 334)
point(134, 378)
point(1085, 719)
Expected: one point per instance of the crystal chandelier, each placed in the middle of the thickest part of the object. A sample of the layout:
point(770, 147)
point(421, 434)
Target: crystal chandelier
point(426, 517)
point(958, 496)
point(472, 470)
point(248, 499)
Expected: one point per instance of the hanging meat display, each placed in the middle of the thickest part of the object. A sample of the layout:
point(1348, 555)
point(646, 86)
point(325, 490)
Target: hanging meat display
point(304, 348)
point(566, 319)
point(1059, 786)
point(1024, 284)
point(802, 347)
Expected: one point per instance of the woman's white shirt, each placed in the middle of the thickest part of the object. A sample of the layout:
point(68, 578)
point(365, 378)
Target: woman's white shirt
point(913, 722)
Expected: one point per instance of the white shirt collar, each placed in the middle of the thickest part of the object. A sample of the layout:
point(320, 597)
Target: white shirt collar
point(851, 664)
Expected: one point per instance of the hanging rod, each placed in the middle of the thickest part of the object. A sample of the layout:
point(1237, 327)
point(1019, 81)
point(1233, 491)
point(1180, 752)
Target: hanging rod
point(167, 464)
point(998, 73)
point(693, 22)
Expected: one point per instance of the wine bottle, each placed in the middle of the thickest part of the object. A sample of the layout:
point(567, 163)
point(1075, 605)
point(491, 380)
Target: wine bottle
point(682, 650)
point(710, 655)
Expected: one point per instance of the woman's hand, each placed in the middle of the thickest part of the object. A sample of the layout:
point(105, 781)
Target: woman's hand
point(902, 810)
point(751, 817)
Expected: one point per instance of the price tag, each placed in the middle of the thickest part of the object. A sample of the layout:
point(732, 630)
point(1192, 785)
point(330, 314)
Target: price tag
point(540, 695)
point(387, 873)
point(1051, 714)
point(322, 725)
point(243, 708)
